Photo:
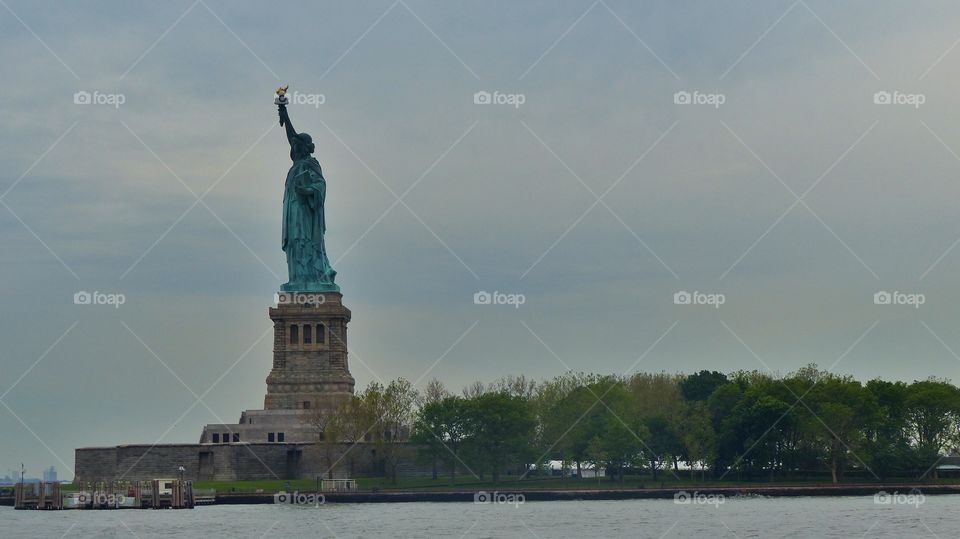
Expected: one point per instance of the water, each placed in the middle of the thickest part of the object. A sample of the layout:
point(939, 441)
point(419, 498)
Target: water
point(936, 516)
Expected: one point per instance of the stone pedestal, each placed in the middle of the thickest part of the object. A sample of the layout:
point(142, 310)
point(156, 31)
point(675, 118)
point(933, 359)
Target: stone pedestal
point(309, 374)
point(310, 369)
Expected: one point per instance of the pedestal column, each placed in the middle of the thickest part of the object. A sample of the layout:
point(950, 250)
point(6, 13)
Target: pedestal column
point(310, 368)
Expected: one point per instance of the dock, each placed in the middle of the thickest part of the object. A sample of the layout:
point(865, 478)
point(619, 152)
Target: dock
point(153, 494)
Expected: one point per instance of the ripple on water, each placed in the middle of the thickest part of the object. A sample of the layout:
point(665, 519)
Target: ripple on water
point(735, 517)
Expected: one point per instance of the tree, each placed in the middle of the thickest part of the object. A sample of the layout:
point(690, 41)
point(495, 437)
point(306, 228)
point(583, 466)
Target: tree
point(887, 444)
point(356, 420)
point(558, 405)
point(699, 386)
point(474, 390)
point(622, 444)
point(327, 425)
point(841, 409)
point(434, 392)
point(659, 443)
point(392, 410)
point(932, 408)
point(519, 386)
point(573, 423)
point(658, 402)
point(720, 404)
point(441, 428)
point(761, 419)
point(698, 437)
point(501, 428)
point(435, 427)
point(429, 444)
point(596, 456)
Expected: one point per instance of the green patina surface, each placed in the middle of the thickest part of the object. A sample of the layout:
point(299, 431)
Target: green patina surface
point(304, 217)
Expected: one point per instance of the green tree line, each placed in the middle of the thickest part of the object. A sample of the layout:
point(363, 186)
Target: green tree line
point(707, 425)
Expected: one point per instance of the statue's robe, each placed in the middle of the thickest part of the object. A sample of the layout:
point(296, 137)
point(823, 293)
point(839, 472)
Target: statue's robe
point(304, 225)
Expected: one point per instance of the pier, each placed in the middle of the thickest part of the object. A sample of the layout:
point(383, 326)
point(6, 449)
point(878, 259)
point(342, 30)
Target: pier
point(153, 494)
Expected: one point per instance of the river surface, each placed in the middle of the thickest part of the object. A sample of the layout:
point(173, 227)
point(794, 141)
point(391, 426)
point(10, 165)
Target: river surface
point(932, 516)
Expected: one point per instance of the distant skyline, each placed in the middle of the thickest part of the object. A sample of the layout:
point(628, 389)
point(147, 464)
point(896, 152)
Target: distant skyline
point(13, 475)
point(815, 166)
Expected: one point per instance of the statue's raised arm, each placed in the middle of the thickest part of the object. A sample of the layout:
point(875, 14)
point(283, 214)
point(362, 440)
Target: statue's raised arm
point(285, 122)
point(281, 102)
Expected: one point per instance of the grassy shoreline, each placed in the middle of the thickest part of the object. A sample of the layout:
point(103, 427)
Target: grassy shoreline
point(426, 484)
point(424, 489)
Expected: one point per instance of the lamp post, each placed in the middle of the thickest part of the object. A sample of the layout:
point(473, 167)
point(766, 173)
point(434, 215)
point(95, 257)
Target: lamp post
point(181, 470)
point(22, 470)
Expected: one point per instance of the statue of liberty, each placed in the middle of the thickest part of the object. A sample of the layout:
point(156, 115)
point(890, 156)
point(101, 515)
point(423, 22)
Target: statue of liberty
point(304, 222)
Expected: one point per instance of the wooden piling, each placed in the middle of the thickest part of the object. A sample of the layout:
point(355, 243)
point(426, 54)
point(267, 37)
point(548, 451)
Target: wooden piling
point(155, 494)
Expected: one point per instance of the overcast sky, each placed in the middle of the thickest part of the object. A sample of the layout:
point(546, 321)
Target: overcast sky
point(789, 191)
